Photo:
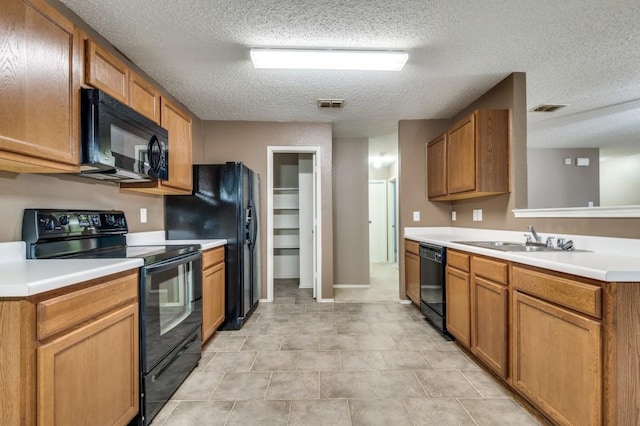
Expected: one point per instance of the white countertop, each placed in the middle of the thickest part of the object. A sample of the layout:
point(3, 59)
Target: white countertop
point(608, 259)
point(22, 277)
point(158, 238)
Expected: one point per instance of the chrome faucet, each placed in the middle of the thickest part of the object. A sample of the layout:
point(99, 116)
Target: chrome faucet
point(536, 237)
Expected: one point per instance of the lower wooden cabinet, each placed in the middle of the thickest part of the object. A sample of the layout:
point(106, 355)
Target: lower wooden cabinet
point(458, 296)
point(489, 313)
point(213, 291)
point(90, 375)
point(489, 324)
point(70, 356)
point(557, 360)
point(412, 271)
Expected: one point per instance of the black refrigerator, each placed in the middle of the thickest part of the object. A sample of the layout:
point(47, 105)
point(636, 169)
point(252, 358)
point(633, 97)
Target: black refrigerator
point(224, 204)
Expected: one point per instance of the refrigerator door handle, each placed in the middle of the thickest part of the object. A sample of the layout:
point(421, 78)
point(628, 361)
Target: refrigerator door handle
point(254, 226)
point(248, 228)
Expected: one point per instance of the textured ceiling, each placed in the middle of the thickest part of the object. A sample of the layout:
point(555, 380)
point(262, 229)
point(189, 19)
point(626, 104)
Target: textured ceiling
point(585, 53)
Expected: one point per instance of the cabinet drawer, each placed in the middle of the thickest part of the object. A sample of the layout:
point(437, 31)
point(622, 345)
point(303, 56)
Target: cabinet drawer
point(576, 295)
point(458, 260)
point(212, 257)
point(412, 246)
point(491, 269)
point(59, 313)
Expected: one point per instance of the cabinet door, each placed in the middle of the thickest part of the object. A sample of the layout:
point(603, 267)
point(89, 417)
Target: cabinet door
point(106, 72)
point(489, 324)
point(144, 98)
point(557, 361)
point(178, 124)
point(212, 300)
point(40, 80)
point(412, 277)
point(437, 167)
point(90, 375)
point(461, 156)
point(458, 295)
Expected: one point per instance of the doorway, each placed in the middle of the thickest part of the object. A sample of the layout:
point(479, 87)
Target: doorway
point(293, 220)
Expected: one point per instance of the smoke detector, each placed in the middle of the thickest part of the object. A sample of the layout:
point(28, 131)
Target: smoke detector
point(548, 107)
point(330, 103)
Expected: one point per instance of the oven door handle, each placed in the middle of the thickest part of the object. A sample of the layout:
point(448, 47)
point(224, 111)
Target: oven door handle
point(170, 263)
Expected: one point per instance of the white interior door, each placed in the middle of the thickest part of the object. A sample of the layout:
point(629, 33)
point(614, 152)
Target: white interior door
point(377, 221)
point(392, 221)
point(305, 197)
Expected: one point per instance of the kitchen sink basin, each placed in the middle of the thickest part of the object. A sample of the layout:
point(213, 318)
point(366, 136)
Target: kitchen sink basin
point(513, 246)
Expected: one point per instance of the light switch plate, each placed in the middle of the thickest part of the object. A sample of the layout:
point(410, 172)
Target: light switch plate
point(453, 215)
point(143, 215)
point(479, 215)
point(416, 216)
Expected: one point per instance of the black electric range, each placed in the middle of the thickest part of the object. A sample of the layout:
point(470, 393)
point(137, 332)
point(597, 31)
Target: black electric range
point(170, 291)
point(89, 234)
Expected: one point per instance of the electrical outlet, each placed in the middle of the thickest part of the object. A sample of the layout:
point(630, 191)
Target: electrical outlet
point(453, 215)
point(416, 216)
point(143, 215)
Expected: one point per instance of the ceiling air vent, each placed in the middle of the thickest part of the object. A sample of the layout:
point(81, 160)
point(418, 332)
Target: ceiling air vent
point(548, 107)
point(330, 103)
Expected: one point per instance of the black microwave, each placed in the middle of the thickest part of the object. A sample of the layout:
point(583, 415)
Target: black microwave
point(118, 143)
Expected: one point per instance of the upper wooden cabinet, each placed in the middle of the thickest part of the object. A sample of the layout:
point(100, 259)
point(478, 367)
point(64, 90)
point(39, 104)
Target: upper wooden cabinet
point(40, 89)
point(106, 72)
point(437, 167)
point(143, 97)
point(471, 159)
point(178, 124)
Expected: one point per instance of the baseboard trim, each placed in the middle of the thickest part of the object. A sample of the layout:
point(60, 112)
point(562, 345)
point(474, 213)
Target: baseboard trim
point(325, 300)
point(352, 286)
point(405, 301)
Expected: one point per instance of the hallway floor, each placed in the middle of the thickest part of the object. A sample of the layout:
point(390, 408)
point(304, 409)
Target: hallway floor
point(298, 362)
point(384, 278)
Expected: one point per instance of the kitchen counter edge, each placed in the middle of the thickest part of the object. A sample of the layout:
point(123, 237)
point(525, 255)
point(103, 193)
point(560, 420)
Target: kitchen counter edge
point(603, 266)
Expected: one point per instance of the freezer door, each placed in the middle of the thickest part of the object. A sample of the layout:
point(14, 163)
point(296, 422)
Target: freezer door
point(255, 247)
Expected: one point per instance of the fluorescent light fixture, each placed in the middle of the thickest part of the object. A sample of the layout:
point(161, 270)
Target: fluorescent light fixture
point(329, 59)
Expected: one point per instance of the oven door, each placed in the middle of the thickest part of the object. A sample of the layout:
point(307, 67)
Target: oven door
point(170, 305)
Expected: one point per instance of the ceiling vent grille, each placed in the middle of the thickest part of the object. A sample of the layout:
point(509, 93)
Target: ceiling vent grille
point(548, 107)
point(330, 103)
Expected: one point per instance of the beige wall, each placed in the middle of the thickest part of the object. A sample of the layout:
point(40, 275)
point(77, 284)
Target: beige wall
point(247, 141)
point(554, 184)
point(21, 191)
point(413, 136)
point(350, 211)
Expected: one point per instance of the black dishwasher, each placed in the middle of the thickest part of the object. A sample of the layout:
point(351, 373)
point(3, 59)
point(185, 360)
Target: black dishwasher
point(433, 260)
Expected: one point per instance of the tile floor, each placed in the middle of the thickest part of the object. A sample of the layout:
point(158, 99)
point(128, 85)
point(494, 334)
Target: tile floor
point(297, 362)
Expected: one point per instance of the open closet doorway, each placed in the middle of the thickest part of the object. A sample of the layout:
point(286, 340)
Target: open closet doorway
point(293, 222)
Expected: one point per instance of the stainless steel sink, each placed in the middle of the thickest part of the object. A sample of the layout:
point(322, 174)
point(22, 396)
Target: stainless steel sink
point(513, 246)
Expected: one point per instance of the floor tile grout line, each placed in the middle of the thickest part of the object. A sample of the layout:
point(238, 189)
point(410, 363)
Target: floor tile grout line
point(467, 411)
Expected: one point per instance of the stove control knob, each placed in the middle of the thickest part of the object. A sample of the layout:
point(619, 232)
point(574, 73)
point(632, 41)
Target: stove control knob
point(48, 225)
point(110, 220)
point(121, 222)
point(64, 220)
